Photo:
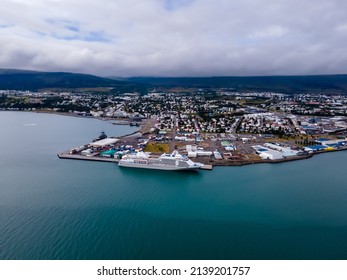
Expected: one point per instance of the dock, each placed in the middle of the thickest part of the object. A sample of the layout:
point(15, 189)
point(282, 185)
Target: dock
point(206, 167)
point(121, 122)
point(106, 149)
point(67, 155)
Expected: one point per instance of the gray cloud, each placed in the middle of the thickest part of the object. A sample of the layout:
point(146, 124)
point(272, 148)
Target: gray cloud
point(175, 37)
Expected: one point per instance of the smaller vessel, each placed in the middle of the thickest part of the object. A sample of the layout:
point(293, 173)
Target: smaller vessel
point(102, 136)
point(174, 161)
point(134, 124)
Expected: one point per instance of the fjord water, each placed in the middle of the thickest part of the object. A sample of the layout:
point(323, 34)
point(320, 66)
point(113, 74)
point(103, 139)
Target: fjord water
point(66, 209)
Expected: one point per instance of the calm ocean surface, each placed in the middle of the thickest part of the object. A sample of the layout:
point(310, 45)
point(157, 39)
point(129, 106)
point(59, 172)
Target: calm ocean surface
point(66, 209)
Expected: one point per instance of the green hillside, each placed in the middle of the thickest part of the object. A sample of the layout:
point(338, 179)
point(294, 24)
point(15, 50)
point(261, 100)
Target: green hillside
point(286, 84)
point(31, 80)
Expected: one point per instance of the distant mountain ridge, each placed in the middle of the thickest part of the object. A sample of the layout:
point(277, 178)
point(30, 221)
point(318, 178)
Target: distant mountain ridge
point(34, 80)
point(285, 84)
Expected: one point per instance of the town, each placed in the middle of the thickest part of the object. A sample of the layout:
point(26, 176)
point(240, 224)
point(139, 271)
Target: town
point(219, 126)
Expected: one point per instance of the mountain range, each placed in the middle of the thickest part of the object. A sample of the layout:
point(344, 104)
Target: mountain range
point(284, 84)
point(15, 79)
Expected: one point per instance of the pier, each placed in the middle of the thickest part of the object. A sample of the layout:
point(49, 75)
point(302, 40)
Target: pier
point(67, 155)
point(206, 167)
point(237, 152)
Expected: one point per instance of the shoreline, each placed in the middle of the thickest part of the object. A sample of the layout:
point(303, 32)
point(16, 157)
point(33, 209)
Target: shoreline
point(207, 162)
point(223, 162)
point(66, 114)
point(212, 162)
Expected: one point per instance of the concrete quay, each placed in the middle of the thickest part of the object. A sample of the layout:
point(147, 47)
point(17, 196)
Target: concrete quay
point(67, 155)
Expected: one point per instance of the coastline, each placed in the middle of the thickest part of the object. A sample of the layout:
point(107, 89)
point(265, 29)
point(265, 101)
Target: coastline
point(207, 161)
point(222, 162)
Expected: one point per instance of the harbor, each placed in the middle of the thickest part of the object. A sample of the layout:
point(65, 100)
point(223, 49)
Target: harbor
point(128, 150)
point(67, 155)
point(104, 150)
point(208, 152)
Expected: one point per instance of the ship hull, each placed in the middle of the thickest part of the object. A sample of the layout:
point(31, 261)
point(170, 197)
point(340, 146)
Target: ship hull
point(157, 167)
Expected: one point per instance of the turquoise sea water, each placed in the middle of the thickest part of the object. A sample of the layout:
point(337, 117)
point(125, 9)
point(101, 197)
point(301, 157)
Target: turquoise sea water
point(65, 209)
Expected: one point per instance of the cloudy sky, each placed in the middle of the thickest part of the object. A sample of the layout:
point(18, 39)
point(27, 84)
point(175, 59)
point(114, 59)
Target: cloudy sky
point(175, 37)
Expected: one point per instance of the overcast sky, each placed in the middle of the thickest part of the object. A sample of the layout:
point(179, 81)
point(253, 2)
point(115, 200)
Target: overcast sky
point(175, 37)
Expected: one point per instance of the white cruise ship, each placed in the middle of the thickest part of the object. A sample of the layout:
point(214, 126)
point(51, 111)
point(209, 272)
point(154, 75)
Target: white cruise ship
point(172, 161)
